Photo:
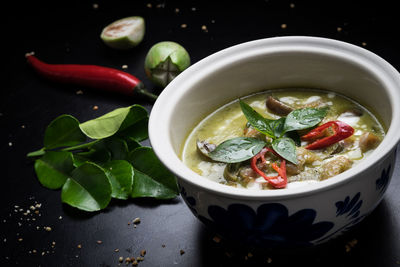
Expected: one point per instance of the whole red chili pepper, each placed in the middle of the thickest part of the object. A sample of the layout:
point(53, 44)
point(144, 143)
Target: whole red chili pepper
point(278, 181)
point(341, 131)
point(98, 77)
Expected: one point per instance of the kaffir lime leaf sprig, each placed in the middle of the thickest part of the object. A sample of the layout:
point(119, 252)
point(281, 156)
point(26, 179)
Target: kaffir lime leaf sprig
point(100, 159)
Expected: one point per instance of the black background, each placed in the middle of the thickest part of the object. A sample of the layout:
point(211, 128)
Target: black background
point(68, 32)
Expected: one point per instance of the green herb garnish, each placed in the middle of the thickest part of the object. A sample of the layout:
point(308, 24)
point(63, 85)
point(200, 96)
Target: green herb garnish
point(282, 132)
point(237, 149)
point(101, 159)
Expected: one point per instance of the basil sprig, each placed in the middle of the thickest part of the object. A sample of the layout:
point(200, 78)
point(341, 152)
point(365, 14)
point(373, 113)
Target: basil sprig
point(282, 132)
point(112, 164)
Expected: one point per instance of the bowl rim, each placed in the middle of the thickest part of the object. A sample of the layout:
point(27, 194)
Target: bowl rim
point(160, 115)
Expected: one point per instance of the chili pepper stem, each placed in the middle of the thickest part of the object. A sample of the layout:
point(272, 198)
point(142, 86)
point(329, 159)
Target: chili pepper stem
point(140, 90)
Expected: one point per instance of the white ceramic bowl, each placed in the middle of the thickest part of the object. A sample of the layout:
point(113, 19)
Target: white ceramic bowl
point(299, 216)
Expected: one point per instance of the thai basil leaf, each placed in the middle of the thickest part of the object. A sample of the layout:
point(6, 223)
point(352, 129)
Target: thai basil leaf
point(286, 148)
point(88, 188)
point(300, 119)
point(151, 178)
point(63, 131)
point(294, 135)
point(278, 127)
point(255, 119)
point(120, 173)
point(237, 149)
point(113, 122)
point(54, 168)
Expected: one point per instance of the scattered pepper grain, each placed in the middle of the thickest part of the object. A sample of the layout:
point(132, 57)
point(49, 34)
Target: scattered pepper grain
point(142, 252)
point(216, 239)
point(182, 252)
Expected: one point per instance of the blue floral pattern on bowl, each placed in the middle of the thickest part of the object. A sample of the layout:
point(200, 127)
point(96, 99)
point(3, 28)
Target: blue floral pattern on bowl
point(350, 208)
point(271, 225)
point(382, 182)
point(191, 201)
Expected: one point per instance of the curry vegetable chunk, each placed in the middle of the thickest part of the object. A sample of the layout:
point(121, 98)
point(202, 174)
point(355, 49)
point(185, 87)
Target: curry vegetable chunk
point(282, 139)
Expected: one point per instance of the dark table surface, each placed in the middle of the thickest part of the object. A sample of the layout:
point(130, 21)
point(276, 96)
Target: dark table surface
point(68, 32)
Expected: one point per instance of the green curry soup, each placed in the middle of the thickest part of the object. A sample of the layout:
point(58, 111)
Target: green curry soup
point(282, 139)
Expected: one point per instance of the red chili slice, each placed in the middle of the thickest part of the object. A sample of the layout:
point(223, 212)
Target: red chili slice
point(278, 181)
point(341, 131)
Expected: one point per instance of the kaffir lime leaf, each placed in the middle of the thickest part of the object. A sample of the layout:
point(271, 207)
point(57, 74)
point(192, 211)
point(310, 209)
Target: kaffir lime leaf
point(124, 33)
